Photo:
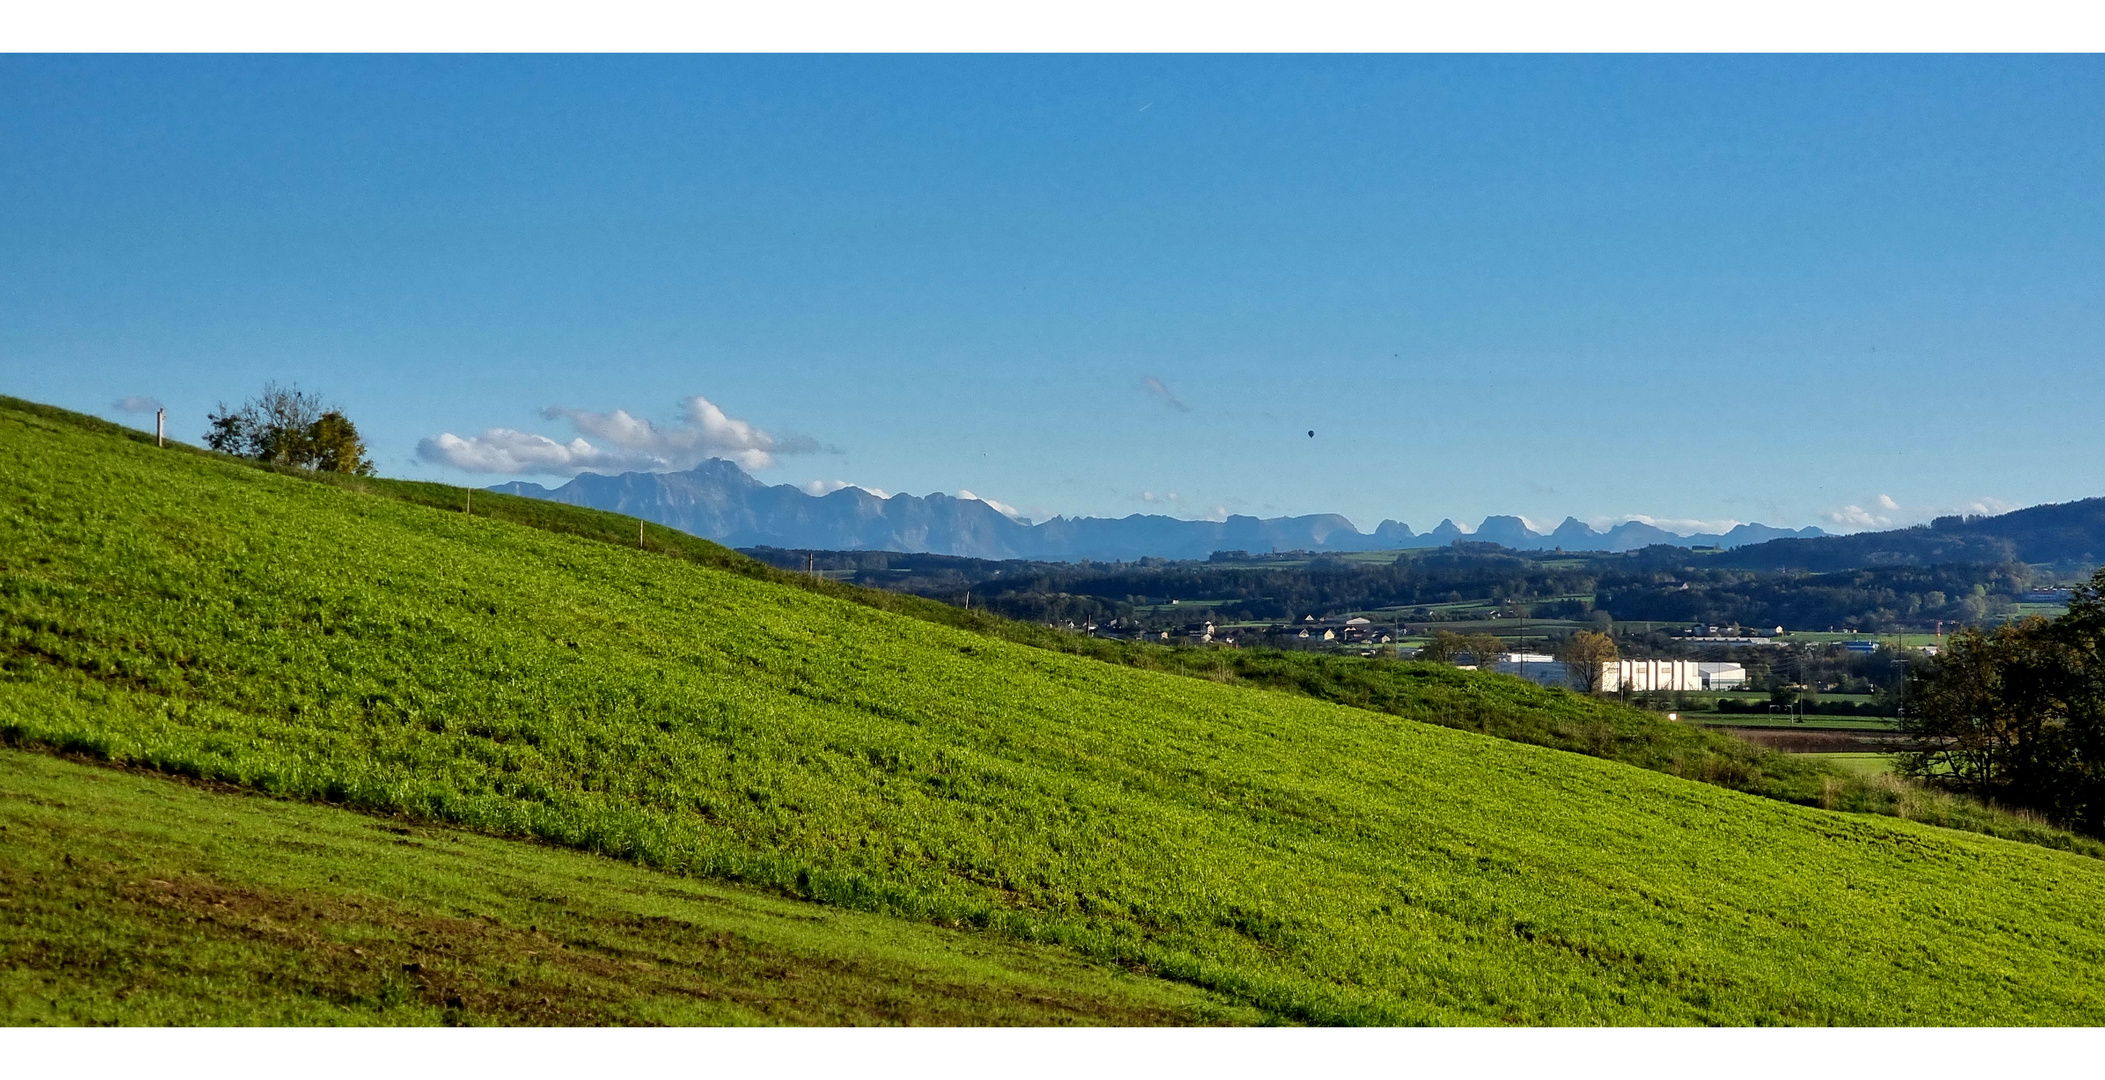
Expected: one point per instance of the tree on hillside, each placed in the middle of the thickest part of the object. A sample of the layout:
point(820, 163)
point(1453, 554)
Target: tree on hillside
point(289, 427)
point(1484, 649)
point(2017, 714)
point(1448, 647)
point(1445, 647)
point(1584, 653)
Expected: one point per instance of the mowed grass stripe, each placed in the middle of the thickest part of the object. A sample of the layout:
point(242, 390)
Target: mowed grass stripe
point(1326, 863)
point(129, 899)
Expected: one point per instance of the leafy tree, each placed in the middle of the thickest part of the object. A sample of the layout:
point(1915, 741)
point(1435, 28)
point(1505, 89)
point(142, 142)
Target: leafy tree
point(1445, 647)
point(336, 446)
point(1485, 649)
point(1449, 647)
point(1583, 654)
point(2017, 714)
point(289, 427)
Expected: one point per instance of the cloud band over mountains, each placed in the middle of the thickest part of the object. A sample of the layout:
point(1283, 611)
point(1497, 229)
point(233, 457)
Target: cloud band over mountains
point(616, 441)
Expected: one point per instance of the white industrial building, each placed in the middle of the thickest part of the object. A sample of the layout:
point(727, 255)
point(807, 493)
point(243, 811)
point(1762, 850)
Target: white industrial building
point(1637, 676)
point(1640, 676)
point(1535, 667)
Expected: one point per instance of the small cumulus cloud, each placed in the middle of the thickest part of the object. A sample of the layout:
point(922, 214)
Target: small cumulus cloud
point(1170, 500)
point(617, 441)
point(136, 404)
point(1989, 507)
point(1160, 391)
point(1886, 512)
point(504, 450)
point(1003, 508)
point(1856, 518)
point(828, 487)
point(1678, 526)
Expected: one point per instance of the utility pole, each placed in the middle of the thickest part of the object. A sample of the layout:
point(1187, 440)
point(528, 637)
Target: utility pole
point(639, 532)
point(160, 427)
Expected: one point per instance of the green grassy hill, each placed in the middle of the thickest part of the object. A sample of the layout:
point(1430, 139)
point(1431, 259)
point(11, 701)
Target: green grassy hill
point(127, 899)
point(1432, 693)
point(1319, 862)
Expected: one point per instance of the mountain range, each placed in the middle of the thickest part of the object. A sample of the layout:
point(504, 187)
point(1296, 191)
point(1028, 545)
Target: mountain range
point(720, 501)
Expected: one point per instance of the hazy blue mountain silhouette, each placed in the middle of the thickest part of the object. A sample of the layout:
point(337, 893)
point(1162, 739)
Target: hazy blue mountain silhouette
point(720, 501)
point(2070, 533)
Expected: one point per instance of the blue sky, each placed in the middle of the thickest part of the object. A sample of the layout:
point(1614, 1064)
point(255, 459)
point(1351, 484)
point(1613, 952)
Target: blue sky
point(1700, 289)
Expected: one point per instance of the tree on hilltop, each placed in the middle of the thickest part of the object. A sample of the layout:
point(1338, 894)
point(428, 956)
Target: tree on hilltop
point(289, 427)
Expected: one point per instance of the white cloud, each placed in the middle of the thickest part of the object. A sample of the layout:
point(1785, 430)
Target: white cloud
point(1988, 507)
point(136, 403)
point(1170, 500)
point(616, 441)
point(1679, 526)
point(1888, 513)
point(1003, 508)
point(828, 487)
point(503, 450)
point(1857, 518)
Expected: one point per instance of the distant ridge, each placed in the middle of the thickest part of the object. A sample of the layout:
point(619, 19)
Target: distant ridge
point(2070, 532)
point(720, 501)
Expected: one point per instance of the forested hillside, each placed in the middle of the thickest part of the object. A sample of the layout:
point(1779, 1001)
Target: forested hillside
point(2070, 534)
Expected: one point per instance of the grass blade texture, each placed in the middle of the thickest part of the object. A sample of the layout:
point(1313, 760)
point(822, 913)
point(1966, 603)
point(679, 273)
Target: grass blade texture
point(1319, 862)
point(125, 899)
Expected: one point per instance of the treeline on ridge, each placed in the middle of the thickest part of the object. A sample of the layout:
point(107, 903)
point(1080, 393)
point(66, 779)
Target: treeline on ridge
point(1658, 584)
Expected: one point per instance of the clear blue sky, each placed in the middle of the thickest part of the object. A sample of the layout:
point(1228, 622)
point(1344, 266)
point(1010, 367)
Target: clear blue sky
point(1693, 288)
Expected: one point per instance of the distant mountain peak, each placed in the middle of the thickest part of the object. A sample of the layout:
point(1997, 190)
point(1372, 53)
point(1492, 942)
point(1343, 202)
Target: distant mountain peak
point(721, 501)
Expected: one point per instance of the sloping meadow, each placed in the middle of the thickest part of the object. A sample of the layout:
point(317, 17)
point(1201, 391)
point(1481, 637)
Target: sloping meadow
point(1327, 864)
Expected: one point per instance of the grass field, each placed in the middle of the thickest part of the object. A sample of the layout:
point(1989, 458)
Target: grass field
point(1825, 637)
point(132, 899)
point(1314, 861)
point(1862, 764)
point(1811, 721)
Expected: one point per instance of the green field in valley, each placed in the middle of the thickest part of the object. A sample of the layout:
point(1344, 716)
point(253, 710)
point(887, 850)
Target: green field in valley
point(1298, 858)
point(1809, 722)
point(1863, 764)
